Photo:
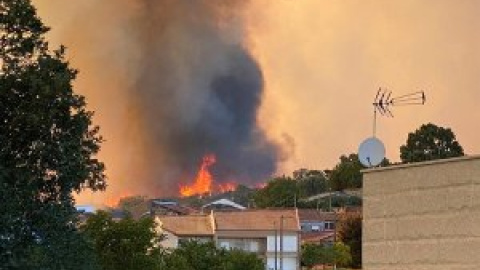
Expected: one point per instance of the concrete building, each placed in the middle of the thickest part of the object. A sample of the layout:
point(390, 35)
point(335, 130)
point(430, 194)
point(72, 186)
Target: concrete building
point(423, 216)
point(317, 227)
point(183, 228)
point(272, 234)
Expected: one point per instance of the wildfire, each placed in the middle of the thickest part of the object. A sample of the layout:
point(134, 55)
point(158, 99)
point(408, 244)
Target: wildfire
point(203, 180)
point(113, 201)
point(225, 187)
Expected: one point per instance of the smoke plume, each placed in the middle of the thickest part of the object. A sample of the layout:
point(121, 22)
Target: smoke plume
point(186, 86)
point(198, 90)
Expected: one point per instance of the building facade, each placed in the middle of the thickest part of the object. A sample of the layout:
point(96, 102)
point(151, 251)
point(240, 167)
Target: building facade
point(272, 234)
point(422, 215)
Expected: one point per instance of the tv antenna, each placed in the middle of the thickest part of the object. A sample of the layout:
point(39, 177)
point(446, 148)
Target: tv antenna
point(384, 101)
point(371, 151)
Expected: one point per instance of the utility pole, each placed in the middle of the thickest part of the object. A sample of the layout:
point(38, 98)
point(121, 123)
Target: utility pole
point(276, 243)
point(281, 242)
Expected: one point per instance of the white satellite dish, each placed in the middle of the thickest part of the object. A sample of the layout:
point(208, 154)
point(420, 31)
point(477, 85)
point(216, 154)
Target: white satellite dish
point(371, 152)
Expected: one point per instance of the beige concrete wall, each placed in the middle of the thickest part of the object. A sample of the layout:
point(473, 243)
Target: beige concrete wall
point(423, 216)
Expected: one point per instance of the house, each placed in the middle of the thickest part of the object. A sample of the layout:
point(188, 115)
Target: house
point(176, 229)
point(160, 207)
point(272, 234)
point(222, 205)
point(317, 226)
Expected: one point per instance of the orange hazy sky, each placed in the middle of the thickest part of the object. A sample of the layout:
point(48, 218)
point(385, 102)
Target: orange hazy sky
point(323, 62)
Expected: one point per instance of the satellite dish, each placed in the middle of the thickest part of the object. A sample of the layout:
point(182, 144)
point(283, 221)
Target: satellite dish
point(371, 152)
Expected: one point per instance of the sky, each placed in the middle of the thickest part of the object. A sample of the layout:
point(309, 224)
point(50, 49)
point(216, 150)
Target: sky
point(322, 63)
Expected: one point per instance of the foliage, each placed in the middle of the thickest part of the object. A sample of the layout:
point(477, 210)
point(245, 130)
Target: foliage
point(430, 142)
point(341, 254)
point(279, 192)
point(286, 191)
point(346, 174)
point(124, 244)
point(315, 254)
point(194, 255)
point(240, 260)
point(242, 195)
point(47, 150)
point(350, 233)
point(310, 182)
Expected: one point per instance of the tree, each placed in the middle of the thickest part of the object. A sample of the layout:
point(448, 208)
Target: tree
point(341, 254)
point(124, 244)
point(310, 182)
point(279, 192)
point(346, 174)
point(47, 151)
point(430, 142)
point(195, 255)
point(312, 255)
point(350, 233)
point(317, 254)
point(241, 260)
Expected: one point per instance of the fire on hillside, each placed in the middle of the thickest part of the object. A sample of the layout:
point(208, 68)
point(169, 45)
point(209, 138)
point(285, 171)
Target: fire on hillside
point(204, 182)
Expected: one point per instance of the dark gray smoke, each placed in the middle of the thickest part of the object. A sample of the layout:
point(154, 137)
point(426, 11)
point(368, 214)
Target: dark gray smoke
point(198, 91)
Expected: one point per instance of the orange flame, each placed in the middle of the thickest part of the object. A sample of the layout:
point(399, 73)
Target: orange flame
point(225, 187)
point(203, 180)
point(113, 201)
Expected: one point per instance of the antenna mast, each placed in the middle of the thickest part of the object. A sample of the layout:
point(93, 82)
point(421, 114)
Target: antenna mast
point(384, 100)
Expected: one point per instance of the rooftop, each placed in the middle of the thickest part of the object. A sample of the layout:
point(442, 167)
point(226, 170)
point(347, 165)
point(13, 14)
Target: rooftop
point(314, 215)
point(187, 225)
point(421, 164)
point(258, 220)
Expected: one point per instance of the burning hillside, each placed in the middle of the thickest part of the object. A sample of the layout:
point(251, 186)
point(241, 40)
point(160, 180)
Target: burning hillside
point(204, 182)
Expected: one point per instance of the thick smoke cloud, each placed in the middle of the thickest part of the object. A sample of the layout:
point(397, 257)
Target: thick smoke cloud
point(171, 81)
point(198, 90)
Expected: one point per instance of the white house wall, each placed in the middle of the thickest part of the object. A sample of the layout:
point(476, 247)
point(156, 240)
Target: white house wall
point(170, 241)
point(289, 263)
point(290, 243)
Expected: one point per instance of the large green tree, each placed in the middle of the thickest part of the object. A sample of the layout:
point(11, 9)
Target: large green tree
point(124, 244)
point(279, 192)
point(310, 182)
point(317, 254)
point(194, 255)
point(430, 142)
point(346, 174)
point(47, 147)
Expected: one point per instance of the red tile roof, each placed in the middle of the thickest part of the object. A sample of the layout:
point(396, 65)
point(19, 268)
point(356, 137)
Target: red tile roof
point(316, 237)
point(259, 220)
point(315, 215)
point(187, 225)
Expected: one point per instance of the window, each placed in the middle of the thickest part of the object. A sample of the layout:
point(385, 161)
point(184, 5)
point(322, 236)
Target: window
point(329, 225)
